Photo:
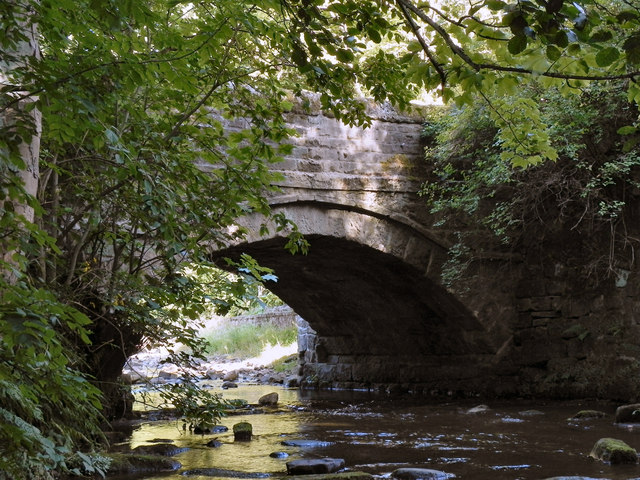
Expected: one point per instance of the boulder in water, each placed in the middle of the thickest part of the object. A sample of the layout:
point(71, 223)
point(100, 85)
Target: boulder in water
point(268, 399)
point(587, 414)
point(242, 432)
point(221, 472)
point(312, 466)
point(163, 449)
point(628, 413)
point(614, 451)
point(230, 376)
point(333, 476)
point(278, 454)
point(420, 474)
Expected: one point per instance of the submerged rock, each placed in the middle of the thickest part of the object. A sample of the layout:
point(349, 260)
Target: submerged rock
point(319, 465)
point(278, 454)
point(332, 476)
point(214, 444)
point(221, 472)
point(479, 409)
point(420, 474)
point(586, 414)
point(572, 478)
point(305, 443)
point(163, 449)
point(628, 413)
point(612, 450)
point(531, 413)
point(126, 464)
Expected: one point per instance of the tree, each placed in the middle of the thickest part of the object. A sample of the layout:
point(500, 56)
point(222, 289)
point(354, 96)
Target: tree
point(139, 177)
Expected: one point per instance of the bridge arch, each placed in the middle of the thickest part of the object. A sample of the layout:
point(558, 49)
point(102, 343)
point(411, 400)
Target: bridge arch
point(369, 286)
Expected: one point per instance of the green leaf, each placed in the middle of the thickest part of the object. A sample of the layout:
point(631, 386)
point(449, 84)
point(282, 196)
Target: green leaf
point(374, 35)
point(627, 15)
point(631, 47)
point(345, 55)
point(495, 5)
point(517, 44)
point(627, 130)
point(601, 36)
point(607, 56)
point(553, 53)
point(561, 39)
point(573, 49)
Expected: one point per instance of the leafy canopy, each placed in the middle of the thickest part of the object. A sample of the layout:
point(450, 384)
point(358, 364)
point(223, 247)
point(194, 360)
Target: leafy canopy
point(462, 50)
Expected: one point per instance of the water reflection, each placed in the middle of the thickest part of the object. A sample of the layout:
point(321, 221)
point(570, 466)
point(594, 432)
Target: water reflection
point(377, 434)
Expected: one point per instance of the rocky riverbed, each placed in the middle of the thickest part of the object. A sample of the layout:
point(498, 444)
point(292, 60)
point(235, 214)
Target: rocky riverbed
point(373, 436)
point(151, 366)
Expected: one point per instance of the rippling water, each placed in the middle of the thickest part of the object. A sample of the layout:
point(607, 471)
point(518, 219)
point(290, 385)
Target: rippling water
point(379, 434)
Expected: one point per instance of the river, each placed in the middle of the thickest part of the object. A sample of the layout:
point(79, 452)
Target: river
point(379, 434)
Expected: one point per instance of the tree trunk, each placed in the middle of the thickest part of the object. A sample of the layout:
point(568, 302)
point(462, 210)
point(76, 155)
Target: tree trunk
point(17, 110)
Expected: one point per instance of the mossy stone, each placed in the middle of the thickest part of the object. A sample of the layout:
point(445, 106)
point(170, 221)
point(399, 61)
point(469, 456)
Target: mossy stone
point(242, 431)
point(614, 451)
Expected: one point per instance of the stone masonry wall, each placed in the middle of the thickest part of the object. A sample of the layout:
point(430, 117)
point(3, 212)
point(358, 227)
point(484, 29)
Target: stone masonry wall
point(522, 327)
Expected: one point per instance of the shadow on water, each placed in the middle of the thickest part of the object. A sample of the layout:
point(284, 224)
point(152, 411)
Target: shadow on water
point(379, 434)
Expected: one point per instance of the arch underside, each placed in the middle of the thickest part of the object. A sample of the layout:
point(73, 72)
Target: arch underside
point(369, 288)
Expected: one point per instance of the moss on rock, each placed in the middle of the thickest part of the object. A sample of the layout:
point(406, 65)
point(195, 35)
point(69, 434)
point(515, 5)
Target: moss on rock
point(242, 431)
point(612, 450)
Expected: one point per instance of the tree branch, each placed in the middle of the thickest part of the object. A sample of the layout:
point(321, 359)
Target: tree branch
point(425, 48)
point(459, 51)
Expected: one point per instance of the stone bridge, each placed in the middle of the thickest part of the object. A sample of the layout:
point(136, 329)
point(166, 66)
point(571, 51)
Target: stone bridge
point(370, 286)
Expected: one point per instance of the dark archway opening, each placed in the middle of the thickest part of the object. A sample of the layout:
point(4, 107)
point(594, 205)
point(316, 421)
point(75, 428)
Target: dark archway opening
point(367, 304)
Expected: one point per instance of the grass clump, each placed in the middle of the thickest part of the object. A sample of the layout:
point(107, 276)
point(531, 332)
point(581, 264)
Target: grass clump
point(285, 364)
point(249, 340)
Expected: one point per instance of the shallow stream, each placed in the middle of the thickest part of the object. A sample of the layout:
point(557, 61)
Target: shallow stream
point(379, 434)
